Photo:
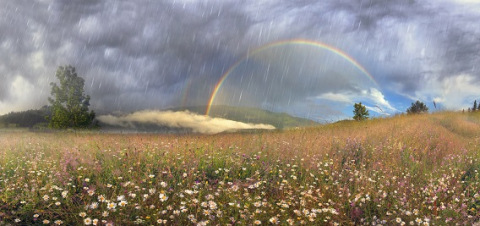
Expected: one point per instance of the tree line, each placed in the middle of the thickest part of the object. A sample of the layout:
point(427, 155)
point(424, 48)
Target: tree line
point(475, 107)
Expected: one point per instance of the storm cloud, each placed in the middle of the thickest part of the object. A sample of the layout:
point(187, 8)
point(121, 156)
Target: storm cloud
point(147, 54)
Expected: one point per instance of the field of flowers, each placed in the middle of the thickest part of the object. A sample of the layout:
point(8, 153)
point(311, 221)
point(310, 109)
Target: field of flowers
point(415, 170)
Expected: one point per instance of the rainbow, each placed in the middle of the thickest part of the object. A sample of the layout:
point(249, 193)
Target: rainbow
point(287, 42)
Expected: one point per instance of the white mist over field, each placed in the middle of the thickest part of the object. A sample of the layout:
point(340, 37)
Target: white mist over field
point(180, 119)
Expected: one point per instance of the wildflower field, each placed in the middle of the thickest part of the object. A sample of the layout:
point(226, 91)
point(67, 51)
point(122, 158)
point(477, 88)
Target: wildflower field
point(413, 170)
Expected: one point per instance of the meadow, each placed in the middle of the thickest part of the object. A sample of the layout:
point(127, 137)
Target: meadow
point(403, 170)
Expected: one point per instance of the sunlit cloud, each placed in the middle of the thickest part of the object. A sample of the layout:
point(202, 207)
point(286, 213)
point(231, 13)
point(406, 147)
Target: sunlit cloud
point(372, 98)
point(20, 93)
point(452, 93)
point(379, 99)
point(337, 97)
point(180, 120)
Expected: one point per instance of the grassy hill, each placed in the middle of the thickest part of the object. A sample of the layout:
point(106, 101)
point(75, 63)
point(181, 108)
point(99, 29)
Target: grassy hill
point(252, 115)
point(409, 169)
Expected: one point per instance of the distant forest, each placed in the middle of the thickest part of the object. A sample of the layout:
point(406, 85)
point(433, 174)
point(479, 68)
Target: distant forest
point(29, 119)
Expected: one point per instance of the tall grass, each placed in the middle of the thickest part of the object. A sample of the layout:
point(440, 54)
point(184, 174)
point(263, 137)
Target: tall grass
point(415, 170)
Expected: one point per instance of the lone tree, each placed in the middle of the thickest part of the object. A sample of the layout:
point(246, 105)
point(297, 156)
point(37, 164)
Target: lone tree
point(417, 108)
point(69, 103)
point(475, 106)
point(360, 112)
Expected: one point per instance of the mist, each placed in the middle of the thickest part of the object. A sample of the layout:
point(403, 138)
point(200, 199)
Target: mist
point(180, 120)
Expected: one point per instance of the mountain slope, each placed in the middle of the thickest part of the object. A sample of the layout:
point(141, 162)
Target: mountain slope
point(251, 115)
point(29, 118)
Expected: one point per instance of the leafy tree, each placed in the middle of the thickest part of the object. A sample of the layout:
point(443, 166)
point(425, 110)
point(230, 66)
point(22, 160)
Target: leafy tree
point(475, 106)
point(360, 112)
point(69, 103)
point(417, 108)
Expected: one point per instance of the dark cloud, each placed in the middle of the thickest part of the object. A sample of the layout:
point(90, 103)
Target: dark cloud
point(157, 54)
point(368, 15)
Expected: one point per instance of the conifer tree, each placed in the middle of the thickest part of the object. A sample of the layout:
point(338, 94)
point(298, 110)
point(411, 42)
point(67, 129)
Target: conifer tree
point(360, 112)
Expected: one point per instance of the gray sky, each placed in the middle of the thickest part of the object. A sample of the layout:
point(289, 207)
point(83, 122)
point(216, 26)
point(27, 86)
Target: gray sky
point(144, 54)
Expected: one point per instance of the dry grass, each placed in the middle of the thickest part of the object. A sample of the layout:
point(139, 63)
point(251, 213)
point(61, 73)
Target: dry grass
point(420, 169)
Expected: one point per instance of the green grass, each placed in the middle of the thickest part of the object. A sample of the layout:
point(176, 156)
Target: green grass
point(412, 169)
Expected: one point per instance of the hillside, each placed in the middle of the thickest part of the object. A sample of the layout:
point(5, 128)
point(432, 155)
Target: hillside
point(252, 115)
point(25, 119)
point(413, 170)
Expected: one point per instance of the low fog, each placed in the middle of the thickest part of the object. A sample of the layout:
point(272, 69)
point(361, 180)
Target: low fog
point(180, 119)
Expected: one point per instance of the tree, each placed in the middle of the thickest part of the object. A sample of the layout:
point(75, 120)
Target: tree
point(360, 112)
point(475, 106)
point(69, 103)
point(417, 108)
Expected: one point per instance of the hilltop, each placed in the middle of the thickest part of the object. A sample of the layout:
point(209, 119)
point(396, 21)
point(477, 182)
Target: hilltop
point(26, 119)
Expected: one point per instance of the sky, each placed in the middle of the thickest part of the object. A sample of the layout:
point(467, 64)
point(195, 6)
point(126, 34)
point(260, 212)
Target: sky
point(154, 55)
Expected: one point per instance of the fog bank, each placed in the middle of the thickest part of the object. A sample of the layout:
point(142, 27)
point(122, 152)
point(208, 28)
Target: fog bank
point(180, 119)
